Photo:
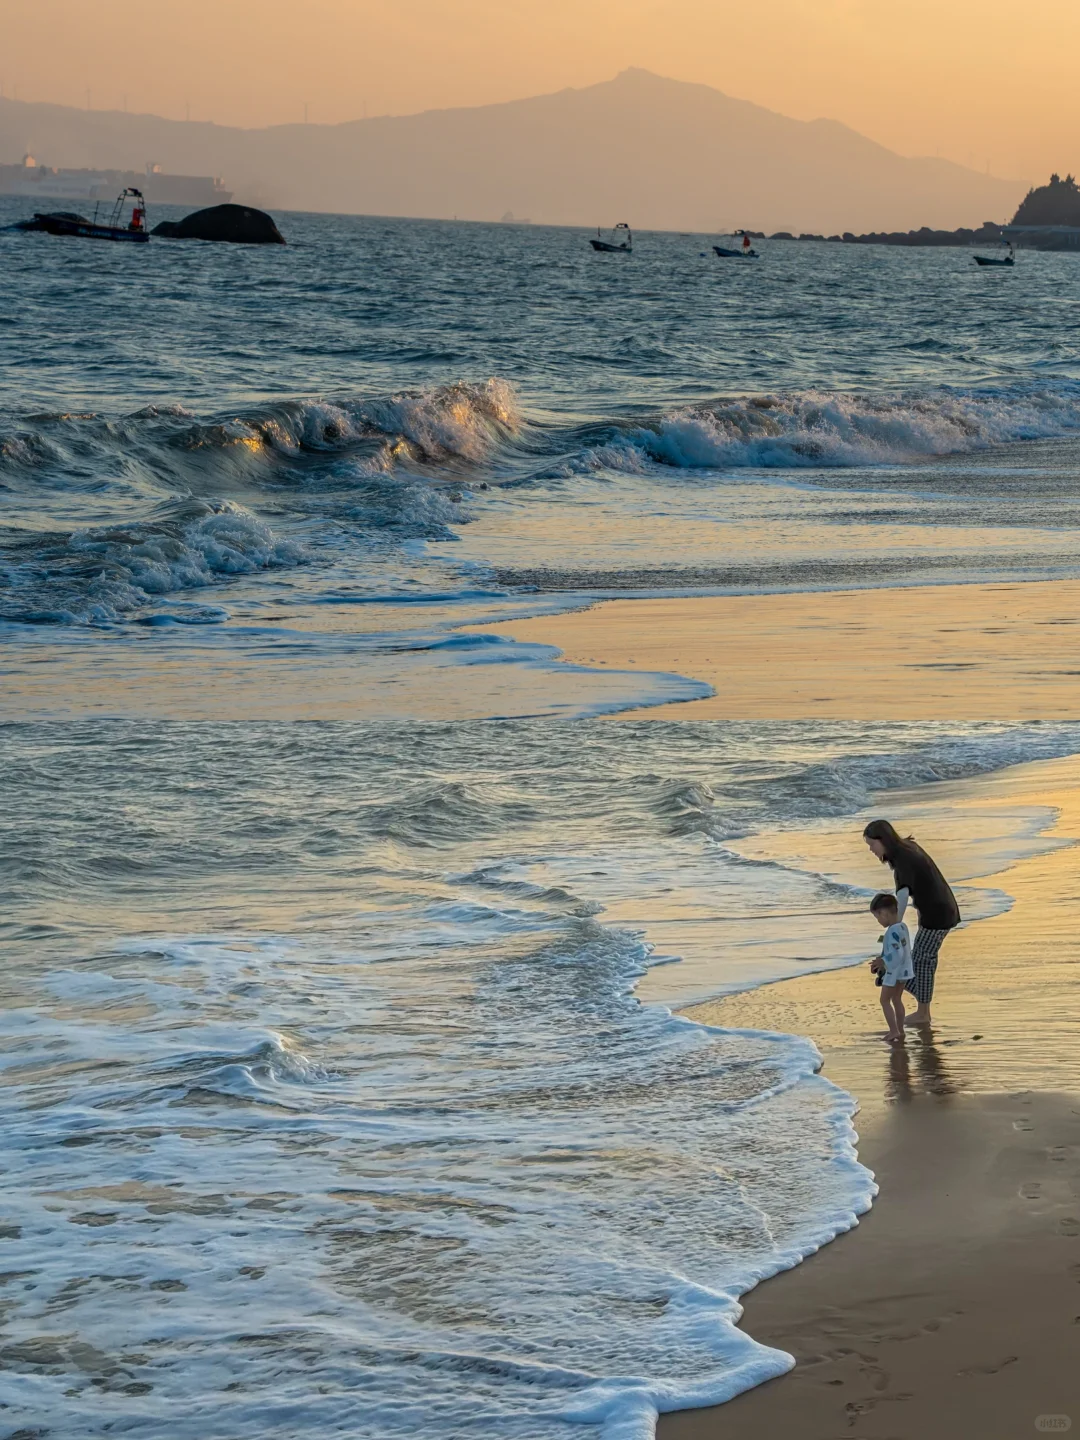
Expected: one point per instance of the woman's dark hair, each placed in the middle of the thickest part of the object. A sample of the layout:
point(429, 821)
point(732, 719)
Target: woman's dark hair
point(886, 833)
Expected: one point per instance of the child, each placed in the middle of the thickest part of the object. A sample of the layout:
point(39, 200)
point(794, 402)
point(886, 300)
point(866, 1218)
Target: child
point(893, 965)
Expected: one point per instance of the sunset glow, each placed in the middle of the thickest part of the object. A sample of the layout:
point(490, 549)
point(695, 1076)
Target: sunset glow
point(976, 81)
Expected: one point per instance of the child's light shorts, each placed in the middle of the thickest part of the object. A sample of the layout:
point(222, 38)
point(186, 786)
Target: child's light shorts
point(900, 976)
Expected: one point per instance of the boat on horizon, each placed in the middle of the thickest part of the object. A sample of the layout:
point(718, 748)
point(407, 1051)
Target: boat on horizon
point(747, 251)
point(67, 223)
point(614, 246)
point(1009, 259)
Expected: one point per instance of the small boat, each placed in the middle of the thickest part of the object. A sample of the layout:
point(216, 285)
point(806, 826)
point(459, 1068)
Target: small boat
point(64, 222)
point(621, 242)
point(1009, 259)
point(746, 253)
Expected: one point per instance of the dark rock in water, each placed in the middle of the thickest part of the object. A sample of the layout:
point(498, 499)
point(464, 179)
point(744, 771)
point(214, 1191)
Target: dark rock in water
point(236, 223)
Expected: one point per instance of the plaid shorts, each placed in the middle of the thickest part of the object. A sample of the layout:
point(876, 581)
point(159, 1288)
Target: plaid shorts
point(924, 957)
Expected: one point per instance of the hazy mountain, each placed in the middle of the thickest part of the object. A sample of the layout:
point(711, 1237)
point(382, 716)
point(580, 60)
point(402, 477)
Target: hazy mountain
point(659, 153)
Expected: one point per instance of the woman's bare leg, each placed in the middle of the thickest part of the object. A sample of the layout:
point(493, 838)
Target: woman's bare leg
point(925, 955)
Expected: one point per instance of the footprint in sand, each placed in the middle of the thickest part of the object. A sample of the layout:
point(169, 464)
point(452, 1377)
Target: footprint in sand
point(1023, 1125)
point(1069, 1226)
point(1031, 1190)
point(991, 1369)
point(856, 1408)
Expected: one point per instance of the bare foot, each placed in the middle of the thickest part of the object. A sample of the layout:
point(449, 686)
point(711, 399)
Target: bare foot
point(918, 1018)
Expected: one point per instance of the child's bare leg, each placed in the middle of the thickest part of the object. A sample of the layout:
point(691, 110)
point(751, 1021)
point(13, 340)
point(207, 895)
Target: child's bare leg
point(898, 1010)
point(889, 1010)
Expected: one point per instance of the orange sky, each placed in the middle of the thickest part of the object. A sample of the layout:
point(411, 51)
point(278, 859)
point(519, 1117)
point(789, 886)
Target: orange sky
point(979, 81)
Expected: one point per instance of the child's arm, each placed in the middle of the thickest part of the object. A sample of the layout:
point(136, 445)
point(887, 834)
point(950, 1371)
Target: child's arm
point(877, 965)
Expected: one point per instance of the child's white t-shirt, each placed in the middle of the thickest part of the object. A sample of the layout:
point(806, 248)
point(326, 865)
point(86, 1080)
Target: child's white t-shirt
point(896, 953)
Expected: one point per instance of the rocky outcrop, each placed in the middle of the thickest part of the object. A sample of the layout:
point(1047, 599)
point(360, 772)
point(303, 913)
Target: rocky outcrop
point(1042, 222)
point(238, 224)
point(987, 234)
point(1057, 203)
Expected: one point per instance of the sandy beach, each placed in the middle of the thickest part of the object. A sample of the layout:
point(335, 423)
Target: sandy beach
point(953, 1308)
point(971, 652)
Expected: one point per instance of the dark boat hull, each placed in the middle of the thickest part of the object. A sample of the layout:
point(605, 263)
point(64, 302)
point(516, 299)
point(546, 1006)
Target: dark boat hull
point(988, 260)
point(86, 229)
point(735, 254)
point(610, 249)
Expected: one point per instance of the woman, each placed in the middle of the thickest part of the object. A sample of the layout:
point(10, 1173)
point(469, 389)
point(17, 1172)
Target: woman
point(918, 879)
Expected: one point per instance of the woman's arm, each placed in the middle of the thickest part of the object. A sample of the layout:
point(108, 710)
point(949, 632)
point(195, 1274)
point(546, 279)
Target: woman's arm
point(903, 895)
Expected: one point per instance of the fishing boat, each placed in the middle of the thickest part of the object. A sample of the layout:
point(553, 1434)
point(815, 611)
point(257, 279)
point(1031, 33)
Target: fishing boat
point(621, 242)
point(746, 253)
point(1009, 259)
point(64, 222)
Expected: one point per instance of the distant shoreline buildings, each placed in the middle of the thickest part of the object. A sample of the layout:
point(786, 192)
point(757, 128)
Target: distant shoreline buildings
point(34, 181)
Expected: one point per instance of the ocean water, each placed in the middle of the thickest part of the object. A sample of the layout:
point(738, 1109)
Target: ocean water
point(221, 463)
point(343, 1087)
point(329, 1104)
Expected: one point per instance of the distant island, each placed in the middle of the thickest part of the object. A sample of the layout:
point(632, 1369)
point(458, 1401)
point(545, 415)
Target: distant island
point(1048, 218)
point(1057, 203)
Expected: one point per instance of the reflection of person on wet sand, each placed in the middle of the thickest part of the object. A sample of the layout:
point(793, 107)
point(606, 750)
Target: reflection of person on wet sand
point(919, 880)
point(928, 1075)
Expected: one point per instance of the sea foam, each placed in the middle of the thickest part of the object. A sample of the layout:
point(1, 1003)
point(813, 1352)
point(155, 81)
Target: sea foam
point(823, 429)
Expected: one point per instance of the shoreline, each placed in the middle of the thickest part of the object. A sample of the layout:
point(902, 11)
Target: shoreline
point(952, 1306)
point(976, 651)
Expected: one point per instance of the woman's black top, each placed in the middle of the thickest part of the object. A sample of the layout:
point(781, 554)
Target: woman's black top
point(914, 871)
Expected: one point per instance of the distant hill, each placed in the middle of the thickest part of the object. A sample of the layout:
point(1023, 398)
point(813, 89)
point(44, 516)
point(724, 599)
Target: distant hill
point(1057, 203)
point(659, 153)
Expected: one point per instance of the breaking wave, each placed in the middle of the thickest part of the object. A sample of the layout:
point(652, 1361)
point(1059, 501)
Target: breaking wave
point(455, 430)
point(161, 447)
point(815, 429)
point(108, 516)
point(101, 575)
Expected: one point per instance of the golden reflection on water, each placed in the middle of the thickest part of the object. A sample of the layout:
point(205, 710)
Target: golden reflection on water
point(966, 652)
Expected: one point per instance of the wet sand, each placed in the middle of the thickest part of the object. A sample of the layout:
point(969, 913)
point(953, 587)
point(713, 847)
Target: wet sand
point(953, 1310)
point(970, 652)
